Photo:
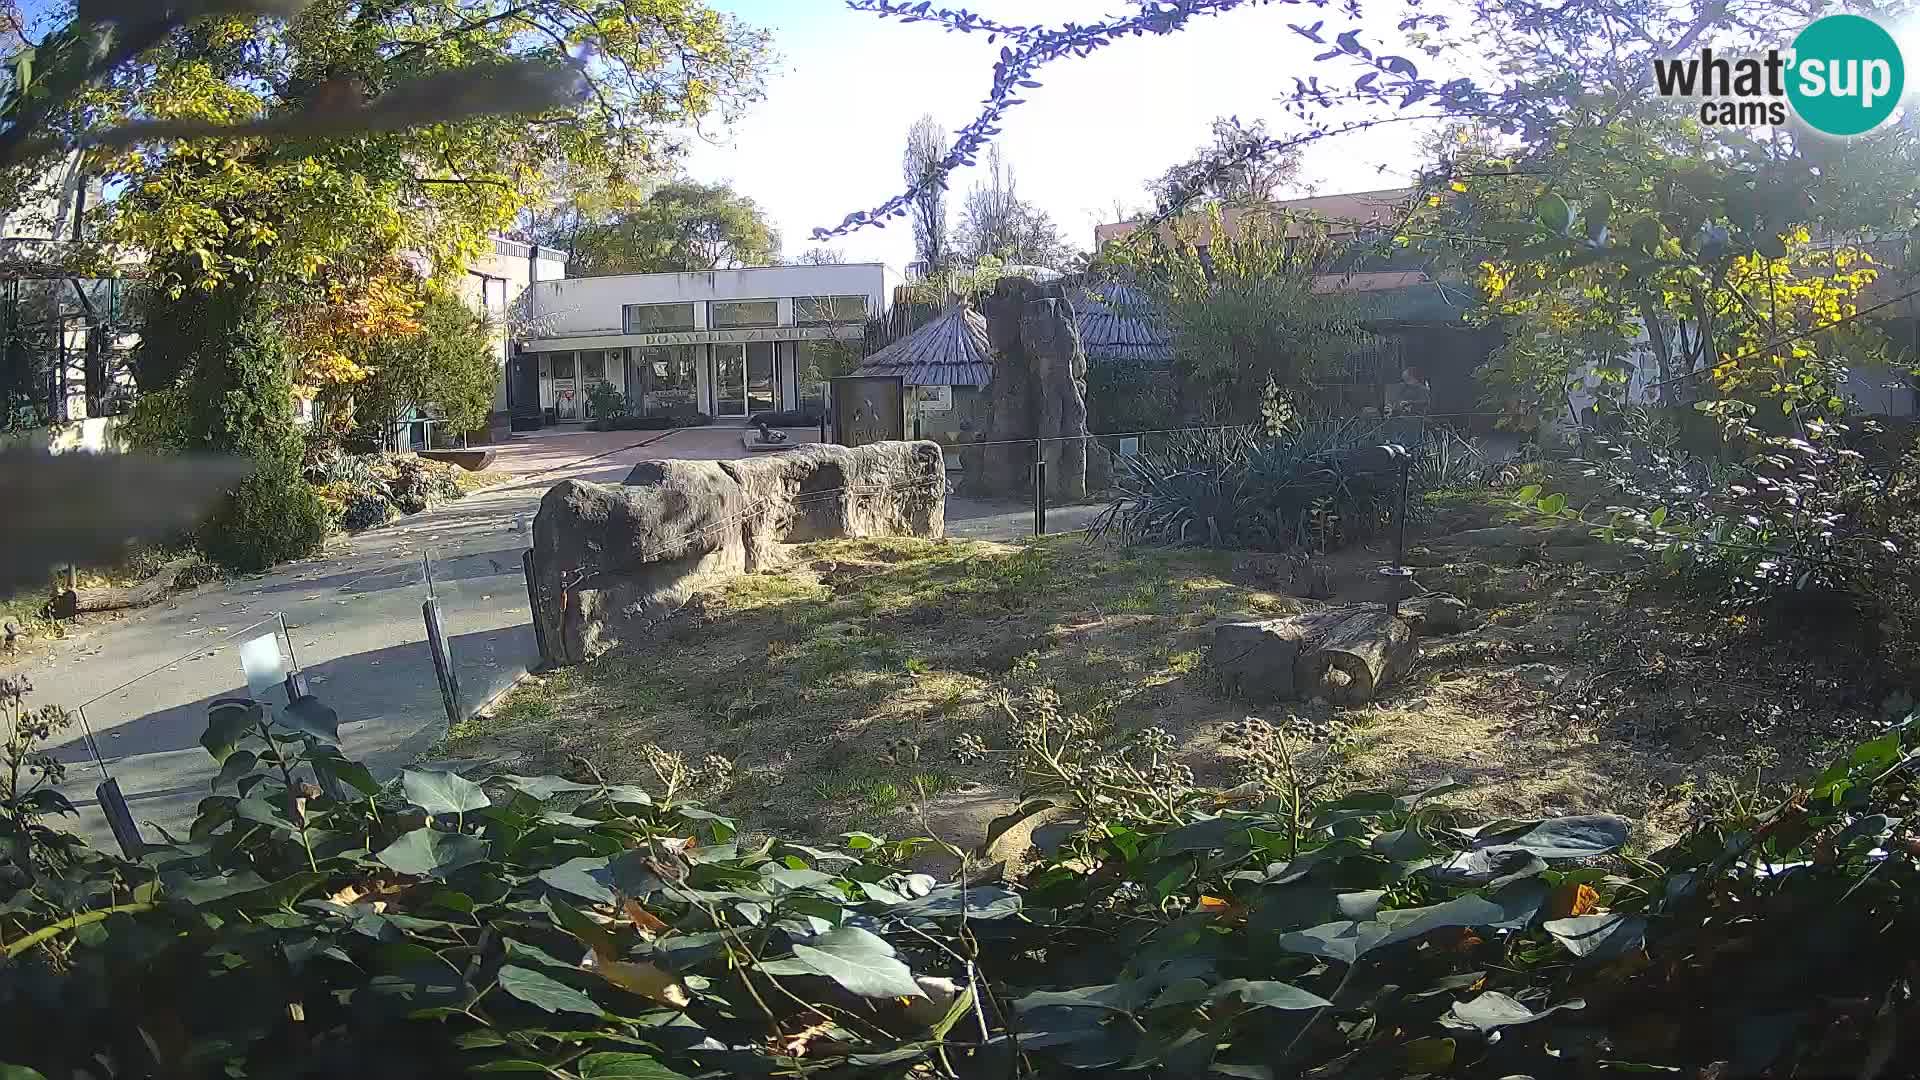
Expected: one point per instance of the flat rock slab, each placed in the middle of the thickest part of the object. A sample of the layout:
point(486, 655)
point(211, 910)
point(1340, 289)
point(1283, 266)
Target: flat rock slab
point(1344, 654)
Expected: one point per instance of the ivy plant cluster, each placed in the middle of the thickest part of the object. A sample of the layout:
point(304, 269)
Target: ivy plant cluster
point(314, 921)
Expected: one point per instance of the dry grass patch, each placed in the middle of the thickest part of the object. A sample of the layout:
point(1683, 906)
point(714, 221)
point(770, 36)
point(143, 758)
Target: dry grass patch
point(838, 683)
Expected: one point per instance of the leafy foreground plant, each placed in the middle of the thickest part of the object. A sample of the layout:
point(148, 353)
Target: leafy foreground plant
point(578, 928)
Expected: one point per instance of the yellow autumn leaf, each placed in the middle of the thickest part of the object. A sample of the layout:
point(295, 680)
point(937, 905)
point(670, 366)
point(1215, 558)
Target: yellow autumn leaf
point(1459, 186)
point(640, 977)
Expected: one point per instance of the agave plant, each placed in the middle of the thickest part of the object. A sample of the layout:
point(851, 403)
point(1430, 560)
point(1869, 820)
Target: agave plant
point(1237, 488)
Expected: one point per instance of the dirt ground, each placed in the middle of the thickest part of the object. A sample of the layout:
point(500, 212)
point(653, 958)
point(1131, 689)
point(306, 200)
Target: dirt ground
point(837, 685)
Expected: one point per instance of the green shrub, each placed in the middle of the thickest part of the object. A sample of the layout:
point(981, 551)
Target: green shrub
point(157, 423)
point(1125, 396)
point(273, 516)
point(605, 401)
point(1237, 488)
point(365, 510)
point(451, 365)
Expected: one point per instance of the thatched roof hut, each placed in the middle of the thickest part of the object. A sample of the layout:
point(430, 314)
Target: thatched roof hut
point(952, 350)
point(1117, 322)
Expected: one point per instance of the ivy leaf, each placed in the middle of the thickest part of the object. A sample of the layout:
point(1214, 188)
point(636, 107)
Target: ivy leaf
point(1598, 937)
point(432, 853)
point(228, 720)
point(443, 792)
point(1260, 993)
point(586, 877)
point(237, 765)
point(1553, 212)
point(861, 961)
point(306, 715)
point(541, 787)
point(610, 1066)
point(1581, 836)
point(545, 992)
point(1553, 504)
point(1495, 1010)
point(982, 902)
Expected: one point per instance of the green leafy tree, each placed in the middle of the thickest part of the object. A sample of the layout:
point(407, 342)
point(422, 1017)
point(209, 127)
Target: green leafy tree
point(1243, 312)
point(451, 364)
point(681, 226)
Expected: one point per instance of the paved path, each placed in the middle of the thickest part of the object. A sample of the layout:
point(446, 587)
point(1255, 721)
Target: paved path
point(354, 622)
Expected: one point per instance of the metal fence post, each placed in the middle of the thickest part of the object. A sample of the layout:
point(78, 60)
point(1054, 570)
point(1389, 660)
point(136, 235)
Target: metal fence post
point(1039, 489)
point(120, 818)
point(533, 606)
point(442, 660)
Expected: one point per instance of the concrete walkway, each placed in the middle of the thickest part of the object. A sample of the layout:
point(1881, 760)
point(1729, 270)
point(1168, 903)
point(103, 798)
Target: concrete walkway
point(353, 620)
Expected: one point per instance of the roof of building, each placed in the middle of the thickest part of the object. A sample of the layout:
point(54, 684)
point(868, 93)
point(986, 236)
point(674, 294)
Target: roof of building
point(951, 350)
point(1339, 213)
point(1118, 323)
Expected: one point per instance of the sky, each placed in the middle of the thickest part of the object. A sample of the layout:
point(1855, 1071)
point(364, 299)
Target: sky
point(827, 139)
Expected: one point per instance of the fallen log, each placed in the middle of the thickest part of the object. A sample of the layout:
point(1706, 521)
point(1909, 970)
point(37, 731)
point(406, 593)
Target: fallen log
point(1356, 658)
point(69, 602)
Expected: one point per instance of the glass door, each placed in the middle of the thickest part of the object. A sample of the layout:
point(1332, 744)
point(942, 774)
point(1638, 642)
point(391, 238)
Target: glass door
point(730, 381)
point(762, 392)
point(566, 388)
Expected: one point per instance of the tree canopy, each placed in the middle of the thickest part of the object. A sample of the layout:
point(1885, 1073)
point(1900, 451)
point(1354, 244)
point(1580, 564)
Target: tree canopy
point(334, 226)
point(995, 221)
point(681, 226)
point(926, 146)
point(1225, 171)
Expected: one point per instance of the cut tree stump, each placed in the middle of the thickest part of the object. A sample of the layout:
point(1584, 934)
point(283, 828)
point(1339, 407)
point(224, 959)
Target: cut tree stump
point(1344, 654)
point(71, 602)
point(1355, 660)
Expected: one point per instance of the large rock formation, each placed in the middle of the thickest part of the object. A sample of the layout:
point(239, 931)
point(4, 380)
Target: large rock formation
point(1039, 391)
point(607, 556)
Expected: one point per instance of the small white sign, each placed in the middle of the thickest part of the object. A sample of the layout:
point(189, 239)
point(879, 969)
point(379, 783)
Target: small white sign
point(260, 660)
point(1130, 446)
point(935, 398)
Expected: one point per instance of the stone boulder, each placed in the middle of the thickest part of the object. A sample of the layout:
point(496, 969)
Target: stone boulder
point(609, 556)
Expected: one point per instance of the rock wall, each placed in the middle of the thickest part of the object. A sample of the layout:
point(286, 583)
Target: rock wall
point(607, 556)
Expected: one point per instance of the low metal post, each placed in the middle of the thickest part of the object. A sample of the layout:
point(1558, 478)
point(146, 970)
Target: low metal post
point(1039, 490)
point(442, 660)
point(533, 606)
point(120, 819)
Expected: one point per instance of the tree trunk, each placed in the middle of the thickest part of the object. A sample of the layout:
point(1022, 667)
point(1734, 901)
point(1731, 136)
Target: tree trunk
point(113, 597)
point(1356, 659)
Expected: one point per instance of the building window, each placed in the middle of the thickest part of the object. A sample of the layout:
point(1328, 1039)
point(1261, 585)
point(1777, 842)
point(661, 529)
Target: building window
point(822, 310)
point(659, 318)
point(815, 365)
point(667, 378)
point(733, 314)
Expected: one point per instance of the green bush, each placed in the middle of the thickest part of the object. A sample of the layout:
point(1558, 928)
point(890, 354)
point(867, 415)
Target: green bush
point(605, 402)
point(451, 365)
point(157, 423)
point(1124, 396)
point(272, 517)
point(1239, 488)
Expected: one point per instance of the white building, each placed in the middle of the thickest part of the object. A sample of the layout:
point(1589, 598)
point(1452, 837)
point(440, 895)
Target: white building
point(727, 343)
